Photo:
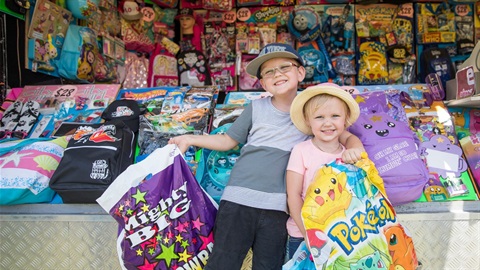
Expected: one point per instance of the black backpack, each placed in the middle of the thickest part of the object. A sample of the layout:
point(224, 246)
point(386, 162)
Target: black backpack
point(94, 157)
point(436, 60)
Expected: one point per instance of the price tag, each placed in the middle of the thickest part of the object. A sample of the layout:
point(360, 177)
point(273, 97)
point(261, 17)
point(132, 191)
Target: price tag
point(148, 14)
point(243, 14)
point(229, 17)
point(65, 91)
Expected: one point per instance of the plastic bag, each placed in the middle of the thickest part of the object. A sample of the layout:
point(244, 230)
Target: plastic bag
point(350, 223)
point(165, 218)
point(300, 260)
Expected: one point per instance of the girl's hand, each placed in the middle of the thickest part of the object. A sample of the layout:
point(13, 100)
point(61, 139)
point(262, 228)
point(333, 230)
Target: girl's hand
point(352, 155)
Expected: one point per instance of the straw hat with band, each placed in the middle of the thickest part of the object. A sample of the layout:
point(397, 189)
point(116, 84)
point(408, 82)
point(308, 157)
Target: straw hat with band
point(270, 51)
point(296, 110)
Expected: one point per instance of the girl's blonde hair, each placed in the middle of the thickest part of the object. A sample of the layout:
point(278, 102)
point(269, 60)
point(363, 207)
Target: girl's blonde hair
point(318, 101)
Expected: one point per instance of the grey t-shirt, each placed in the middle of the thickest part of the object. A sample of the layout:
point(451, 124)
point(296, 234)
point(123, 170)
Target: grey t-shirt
point(258, 177)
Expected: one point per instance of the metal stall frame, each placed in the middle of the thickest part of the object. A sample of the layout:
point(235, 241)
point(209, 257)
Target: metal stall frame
point(80, 236)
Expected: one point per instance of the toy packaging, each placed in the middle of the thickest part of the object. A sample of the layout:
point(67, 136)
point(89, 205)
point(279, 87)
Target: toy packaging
point(172, 111)
point(305, 25)
point(435, 23)
point(244, 3)
point(67, 103)
point(46, 34)
point(243, 98)
point(446, 27)
point(337, 33)
point(386, 50)
point(441, 151)
point(467, 127)
point(256, 27)
point(219, 39)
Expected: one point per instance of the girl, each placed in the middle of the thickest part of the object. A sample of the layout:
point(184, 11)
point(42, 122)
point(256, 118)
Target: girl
point(324, 111)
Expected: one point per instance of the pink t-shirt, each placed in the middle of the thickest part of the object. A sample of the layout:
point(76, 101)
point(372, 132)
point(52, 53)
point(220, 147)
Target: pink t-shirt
point(306, 159)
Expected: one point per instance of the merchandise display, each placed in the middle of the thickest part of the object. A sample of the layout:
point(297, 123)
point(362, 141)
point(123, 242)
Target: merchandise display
point(129, 75)
point(343, 42)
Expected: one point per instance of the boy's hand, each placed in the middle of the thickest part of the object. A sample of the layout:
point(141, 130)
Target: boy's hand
point(352, 155)
point(181, 141)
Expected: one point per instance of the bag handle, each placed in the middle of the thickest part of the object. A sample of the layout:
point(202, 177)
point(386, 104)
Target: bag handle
point(157, 161)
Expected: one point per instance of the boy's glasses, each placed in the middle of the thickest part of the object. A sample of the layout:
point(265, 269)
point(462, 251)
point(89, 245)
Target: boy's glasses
point(284, 68)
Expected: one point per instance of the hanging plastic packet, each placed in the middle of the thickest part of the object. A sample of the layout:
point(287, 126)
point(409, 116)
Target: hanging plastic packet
point(435, 86)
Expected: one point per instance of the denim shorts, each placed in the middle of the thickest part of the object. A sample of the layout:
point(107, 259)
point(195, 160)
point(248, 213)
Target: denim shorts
point(292, 245)
point(239, 228)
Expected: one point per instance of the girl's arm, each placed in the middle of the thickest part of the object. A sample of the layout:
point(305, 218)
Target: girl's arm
point(294, 198)
point(353, 147)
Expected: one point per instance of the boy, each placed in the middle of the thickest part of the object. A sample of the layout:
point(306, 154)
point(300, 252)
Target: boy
point(253, 208)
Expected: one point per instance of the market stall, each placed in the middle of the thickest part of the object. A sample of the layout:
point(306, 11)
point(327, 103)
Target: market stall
point(182, 65)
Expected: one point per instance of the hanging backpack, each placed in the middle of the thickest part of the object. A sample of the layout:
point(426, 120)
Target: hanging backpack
point(162, 69)
point(77, 60)
point(193, 68)
point(437, 60)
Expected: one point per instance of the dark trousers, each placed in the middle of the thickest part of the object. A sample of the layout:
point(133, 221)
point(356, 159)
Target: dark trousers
point(239, 228)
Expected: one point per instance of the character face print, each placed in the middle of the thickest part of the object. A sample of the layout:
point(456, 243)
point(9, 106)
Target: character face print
point(309, 72)
point(300, 22)
point(190, 59)
point(90, 57)
point(52, 51)
point(222, 162)
point(381, 125)
point(232, 158)
point(326, 198)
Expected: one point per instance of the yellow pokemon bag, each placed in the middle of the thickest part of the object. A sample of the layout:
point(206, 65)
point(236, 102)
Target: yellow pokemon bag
point(351, 224)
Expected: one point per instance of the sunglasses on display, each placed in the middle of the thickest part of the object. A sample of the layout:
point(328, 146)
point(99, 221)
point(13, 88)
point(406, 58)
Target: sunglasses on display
point(284, 68)
point(6, 134)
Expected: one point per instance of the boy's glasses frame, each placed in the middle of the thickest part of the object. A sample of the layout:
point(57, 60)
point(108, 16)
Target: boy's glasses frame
point(283, 68)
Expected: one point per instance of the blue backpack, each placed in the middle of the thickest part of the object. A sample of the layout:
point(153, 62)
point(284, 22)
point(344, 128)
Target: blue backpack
point(77, 60)
point(214, 168)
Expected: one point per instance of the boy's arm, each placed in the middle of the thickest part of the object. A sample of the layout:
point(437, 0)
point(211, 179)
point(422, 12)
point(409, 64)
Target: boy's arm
point(218, 142)
point(354, 147)
point(294, 198)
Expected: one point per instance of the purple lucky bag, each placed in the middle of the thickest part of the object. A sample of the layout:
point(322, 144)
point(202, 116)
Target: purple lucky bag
point(165, 218)
point(394, 149)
